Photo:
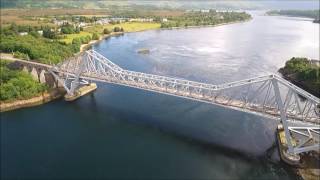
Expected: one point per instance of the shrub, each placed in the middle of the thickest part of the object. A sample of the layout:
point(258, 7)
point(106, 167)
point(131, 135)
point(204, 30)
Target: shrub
point(20, 55)
point(95, 36)
point(106, 31)
point(116, 29)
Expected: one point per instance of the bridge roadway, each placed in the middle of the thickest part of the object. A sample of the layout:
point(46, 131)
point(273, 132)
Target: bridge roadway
point(98, 68)
point(269, 96)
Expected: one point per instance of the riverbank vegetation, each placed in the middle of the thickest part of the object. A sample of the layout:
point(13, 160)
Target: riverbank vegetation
point(17, 85)
point(303, 72)
point(126, 26)
point(67, 33)
point(211, 17)
point(314, 14)
point(37, 48)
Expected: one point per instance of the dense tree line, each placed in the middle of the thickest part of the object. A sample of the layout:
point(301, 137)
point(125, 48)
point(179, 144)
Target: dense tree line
point(81, 40)
point(14, 28)
point(118, 29)
point(305, 71)
point(204, 18)
point(38, 48)
point(299, 13)
point(17, 84)
point(69, 29)
point(303, 68)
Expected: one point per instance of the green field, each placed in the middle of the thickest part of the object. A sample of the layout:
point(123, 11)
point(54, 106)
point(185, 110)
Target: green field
point(127, 26)
point(70, 37)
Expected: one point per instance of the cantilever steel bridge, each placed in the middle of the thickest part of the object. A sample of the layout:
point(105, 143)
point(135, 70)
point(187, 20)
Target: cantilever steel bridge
point(269, 96)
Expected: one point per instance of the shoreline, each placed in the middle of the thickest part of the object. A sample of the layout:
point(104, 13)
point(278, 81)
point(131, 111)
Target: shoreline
point(42, 98)
point(84, 47)
point(56, 93)
point(206, 26)
point(302, 85)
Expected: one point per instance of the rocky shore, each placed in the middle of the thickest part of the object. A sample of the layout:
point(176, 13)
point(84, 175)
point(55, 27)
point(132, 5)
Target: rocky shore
point(310, 169)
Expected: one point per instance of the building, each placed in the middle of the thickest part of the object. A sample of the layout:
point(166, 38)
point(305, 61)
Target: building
point(204, 10)
point(141, 20)
point(60, 23)
point(103, 21)
point(82, 24)
point(23, 33)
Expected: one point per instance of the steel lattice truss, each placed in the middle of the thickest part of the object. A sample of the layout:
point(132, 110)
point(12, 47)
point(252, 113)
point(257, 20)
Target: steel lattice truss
point(269, 96)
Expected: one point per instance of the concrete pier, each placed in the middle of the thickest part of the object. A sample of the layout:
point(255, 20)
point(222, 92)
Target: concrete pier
point(86, 89)
point(291, 159)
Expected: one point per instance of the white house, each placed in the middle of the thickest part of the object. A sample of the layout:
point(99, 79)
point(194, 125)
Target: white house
point(82, 24)
point(141, 20)
point(59, 23)
point(205, 10)
point(103, 21)
point(23, 33)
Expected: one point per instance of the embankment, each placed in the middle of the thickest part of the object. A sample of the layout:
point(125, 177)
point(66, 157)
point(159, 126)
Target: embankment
point(34, 101)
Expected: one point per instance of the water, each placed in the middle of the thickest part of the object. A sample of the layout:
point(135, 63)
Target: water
point(120, 132)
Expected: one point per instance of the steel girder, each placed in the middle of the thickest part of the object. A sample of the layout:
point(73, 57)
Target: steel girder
point(269, 95)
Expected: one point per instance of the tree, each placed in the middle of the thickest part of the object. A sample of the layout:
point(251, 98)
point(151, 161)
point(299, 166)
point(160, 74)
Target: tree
point(77, 30)
point(14, 27)
point(34, 34)
point(106, 31)
point(67, 29)
point(116, 29)
point(95, 36)
point(76, 41)
point(18, 85)
point(48, 33)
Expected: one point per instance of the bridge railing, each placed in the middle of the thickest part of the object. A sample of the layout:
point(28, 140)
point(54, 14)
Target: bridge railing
point(269, 96)
point(253, 94)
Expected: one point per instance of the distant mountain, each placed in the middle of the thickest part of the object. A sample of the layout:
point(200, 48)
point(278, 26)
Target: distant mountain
point(185, 4)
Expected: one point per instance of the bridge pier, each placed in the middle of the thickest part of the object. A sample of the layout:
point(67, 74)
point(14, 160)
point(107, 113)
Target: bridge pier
point(283, 144)
point(81, 91)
